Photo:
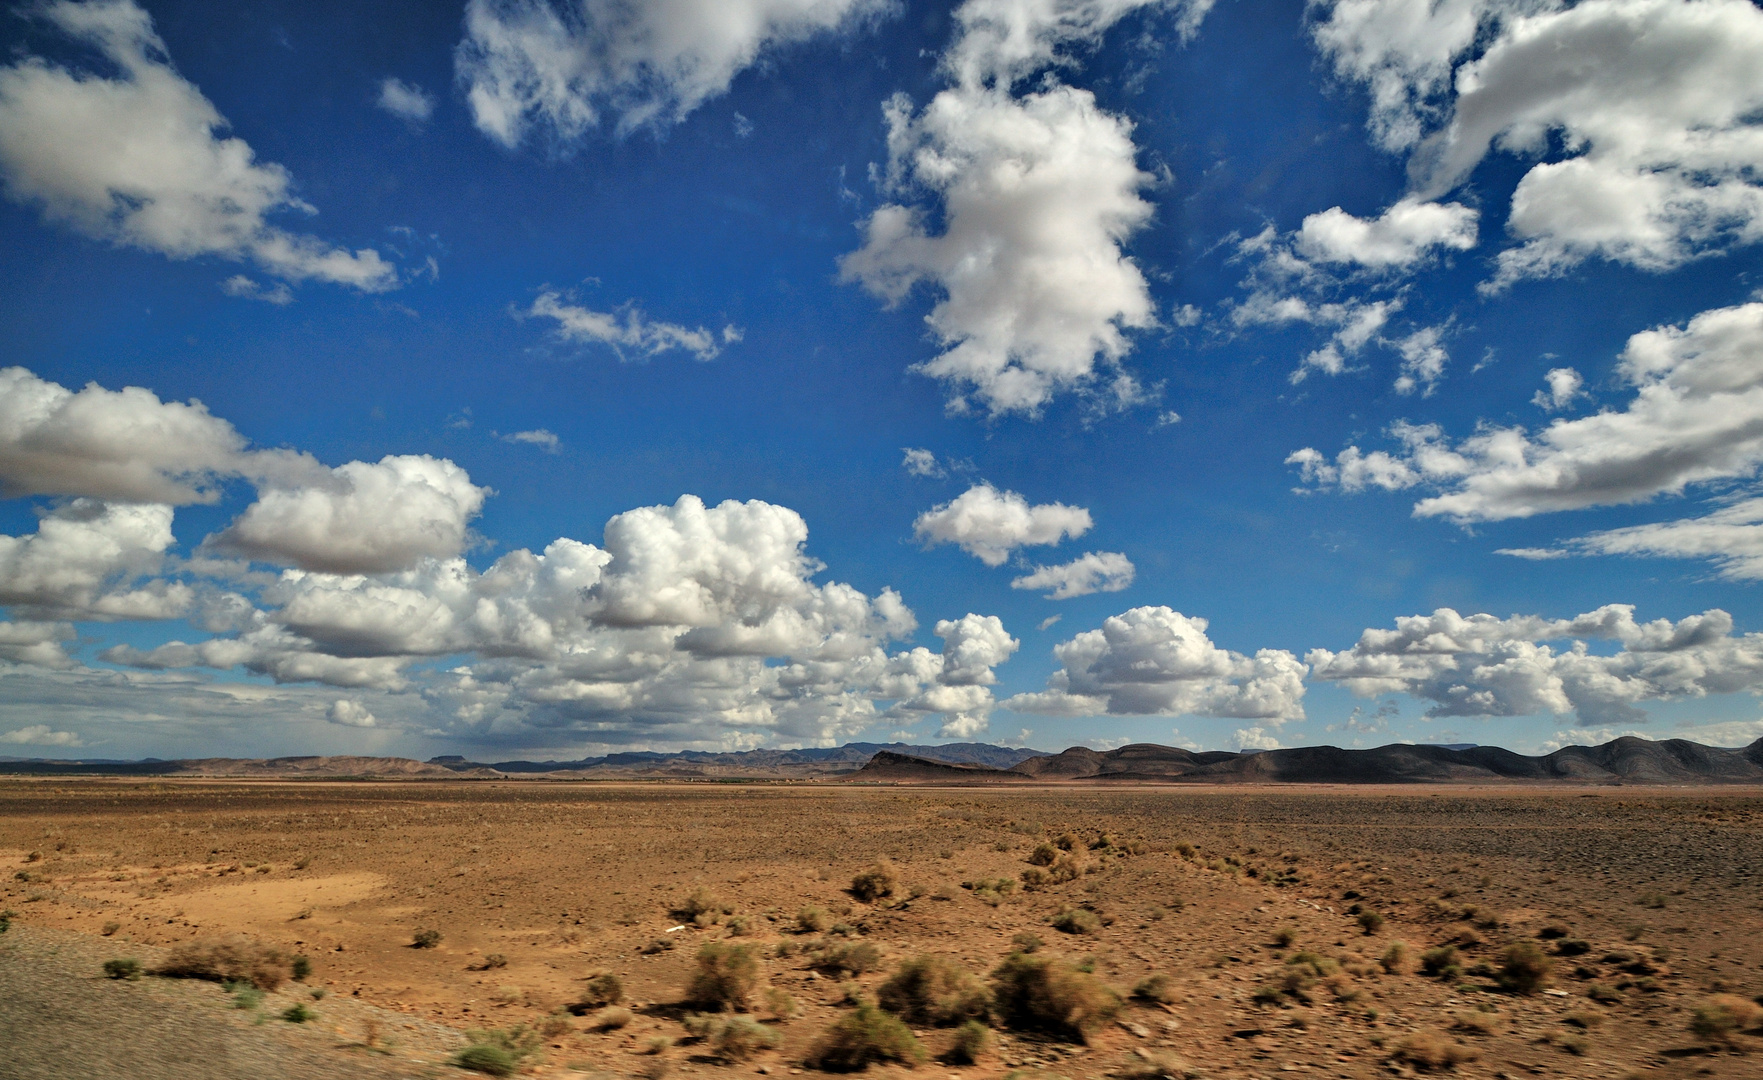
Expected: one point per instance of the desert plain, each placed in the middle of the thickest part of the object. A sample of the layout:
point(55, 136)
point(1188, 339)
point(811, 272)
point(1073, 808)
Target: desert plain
point(1271, 912)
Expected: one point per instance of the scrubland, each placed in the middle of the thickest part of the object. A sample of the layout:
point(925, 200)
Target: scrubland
point(571, 929)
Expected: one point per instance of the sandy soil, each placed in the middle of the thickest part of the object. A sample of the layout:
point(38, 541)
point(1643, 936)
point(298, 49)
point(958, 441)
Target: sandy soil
point(564, 880)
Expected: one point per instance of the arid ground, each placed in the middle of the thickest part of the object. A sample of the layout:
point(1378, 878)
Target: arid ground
point(1646, 902)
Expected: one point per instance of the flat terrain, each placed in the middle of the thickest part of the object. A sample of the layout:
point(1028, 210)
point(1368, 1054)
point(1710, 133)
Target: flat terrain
point(562, 880)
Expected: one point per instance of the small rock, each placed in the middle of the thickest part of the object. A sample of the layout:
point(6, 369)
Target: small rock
point(1140, 1030)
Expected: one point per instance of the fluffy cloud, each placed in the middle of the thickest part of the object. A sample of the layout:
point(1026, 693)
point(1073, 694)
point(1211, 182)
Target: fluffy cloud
point(405, 100)
point(922, 463)
point(360, 518)
point(1325, 273)
point(137, 159)
point(1565, 386)
point(540, 437)
point(1038, 193)
point(629, 329)
point(989, 524)
point(83, 559)
point(1697, 416)
point(109, 444)
point(1091, 572)
point(1481, 665)
point(35, 644)
point(691, 621)
point(561, 64)
point(1255, 738)
point(41, 735)
point(1156, 661)
point(349, 713)
point(1655, 101)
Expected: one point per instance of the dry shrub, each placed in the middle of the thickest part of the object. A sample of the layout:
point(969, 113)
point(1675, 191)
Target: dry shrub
point(1477, 1023)
point(1072, 920)
point(1584, 1019)
point(1398, 959)
point(1285, 937)
point(1428, 1050)
point(853, 957)
point(1043, 854)
point(934, 990)
point(973, 1040)
point(598, 991)
point(1524, 968)
point(1442, 962)
point(1155, 1065)
point(813, 920)
point(610, 1019)
point(1157, 988)
point(1370, 922)
point(780, 1005)
point(498, 1053)
point(992, 891)
point(875, 883)
point(732, 1038)
point(701, 904)
point(234, 959)
point(1068, 842)
point(425, 939)
point(726, 977)
point(862, 1037)
point(1042, 994)
point(1719, 1018)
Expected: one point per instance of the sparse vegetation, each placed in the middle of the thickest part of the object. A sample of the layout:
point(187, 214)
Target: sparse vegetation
point(850, 957)
point(726, 977)
point(1043, 994)
point(973, 1041)
point(124, 968)
point(1043, 854)
point(1158, 988)
point(611, 1018)
point(300, 967)
point(701, 906)
point(425, 939)
point(732, 1038)
point(934, 990)
point(1524, 968)
point(1429, 1050)
point(863, 1037)
point(497, 1053)
point(813, 920)
point(1070, 920)
point(991, 891)
point(1025, 942)
point(598, 991)
point(875, 883)
point(1442, 962)
point(235, 959)
point(1398, 959)
point(1370, 922)
point(1719, 1018)
point(1285, 937)
point(298, 1013)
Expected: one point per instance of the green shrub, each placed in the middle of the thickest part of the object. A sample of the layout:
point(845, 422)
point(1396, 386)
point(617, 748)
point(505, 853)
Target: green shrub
point(992, 891)
point(125, 968)
point(862, 1037)
point(934, 990)
point(487, 1059)
point(813, 920)
point(732, 1038)
point(1370, 922)
point(875, 883)
point(425, 939)
point(1397, 959)
point(235, 959)
point(1156, 987)
point(1025, 942)
point(1524, 969)
point(1722, 1016)
point(1042, 994)
point(726, 977)
point(298, 1014)
point(1072, 920)
point(973, 1041)
point(300, 967)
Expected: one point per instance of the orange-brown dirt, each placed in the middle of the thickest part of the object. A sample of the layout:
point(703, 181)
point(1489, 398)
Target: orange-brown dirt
point(565, 880)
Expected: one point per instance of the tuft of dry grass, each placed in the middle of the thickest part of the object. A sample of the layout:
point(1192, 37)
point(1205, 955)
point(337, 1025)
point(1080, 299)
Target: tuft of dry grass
point(813, 920)
point(973, 1041)
point(934, 990)
point(1155, 987)
point(611, 1018)
point(732, 1038)
point(598, 991)
point(1524, 968)
point(1720, 1017)
point(1398, 959)
point(853, 957)
point(875, 883)
point(233, 959)
point(1072, 920)
point(1429, 1050)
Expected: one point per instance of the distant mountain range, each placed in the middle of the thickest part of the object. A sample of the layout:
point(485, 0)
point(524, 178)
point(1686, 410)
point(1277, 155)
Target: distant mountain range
point(1625, 760)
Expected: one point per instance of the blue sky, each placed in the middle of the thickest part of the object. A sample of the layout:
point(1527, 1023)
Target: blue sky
point(526, 378)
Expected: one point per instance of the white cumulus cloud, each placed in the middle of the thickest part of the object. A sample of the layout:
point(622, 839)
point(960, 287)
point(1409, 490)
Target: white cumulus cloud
point(84, 560)
point(1481, 665)
point(406, 101)
point(137, 157)
point(1696, 416)
point(1154, 661)
point(41, 735)
point(560, 65)
point(349, 713)
point(1091, 572)
point(989, 524)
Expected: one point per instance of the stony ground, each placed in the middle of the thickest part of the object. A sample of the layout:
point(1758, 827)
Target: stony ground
point(1217, 889)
